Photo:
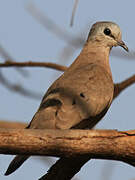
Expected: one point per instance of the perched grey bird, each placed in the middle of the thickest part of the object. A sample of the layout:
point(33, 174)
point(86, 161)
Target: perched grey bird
point(81, 96)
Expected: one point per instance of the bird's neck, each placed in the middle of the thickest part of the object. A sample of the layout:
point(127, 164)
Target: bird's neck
point(97, 54)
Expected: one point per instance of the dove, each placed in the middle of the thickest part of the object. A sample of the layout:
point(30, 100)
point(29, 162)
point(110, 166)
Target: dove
point(81, 96)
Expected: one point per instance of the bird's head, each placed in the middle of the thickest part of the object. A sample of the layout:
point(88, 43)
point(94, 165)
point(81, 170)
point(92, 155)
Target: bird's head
point(106, 33)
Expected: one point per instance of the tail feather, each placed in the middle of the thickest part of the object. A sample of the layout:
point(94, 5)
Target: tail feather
point(16, 163)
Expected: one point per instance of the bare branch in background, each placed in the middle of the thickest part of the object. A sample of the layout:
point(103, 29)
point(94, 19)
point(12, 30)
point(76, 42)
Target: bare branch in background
point(52, 27)
point(33, 64)
point(6, 56)
point(119, 87)
point(18, 88)
point(12, 125)
point(73, 12)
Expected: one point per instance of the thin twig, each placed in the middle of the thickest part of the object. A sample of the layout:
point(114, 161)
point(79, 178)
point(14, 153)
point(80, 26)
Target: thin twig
point(34, 64)
point(119, 87)
point(8, 57)
point(12, 125)
point(52, 27)
point(18, 88)
point(73, 12)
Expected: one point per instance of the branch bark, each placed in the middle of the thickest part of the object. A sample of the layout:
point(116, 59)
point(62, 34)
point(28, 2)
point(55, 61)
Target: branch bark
point(99, 144)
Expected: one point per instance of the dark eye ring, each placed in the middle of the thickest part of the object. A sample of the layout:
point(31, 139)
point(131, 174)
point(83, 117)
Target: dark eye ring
point(107, 31)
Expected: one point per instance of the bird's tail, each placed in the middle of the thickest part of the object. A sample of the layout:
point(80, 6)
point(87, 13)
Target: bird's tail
point(16, 163)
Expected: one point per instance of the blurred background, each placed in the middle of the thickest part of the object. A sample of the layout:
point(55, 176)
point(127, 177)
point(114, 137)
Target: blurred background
point(45, 31)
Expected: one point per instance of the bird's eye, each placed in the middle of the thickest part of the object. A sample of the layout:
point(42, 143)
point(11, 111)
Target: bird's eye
point(107, 31)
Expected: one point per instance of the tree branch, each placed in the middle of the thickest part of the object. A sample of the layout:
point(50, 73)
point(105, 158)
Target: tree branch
point(12, 125)
point(73, 12)
point(33, 64)
point(7, 56)
point(119, 87)
point(103, 144)
point(18, 88)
